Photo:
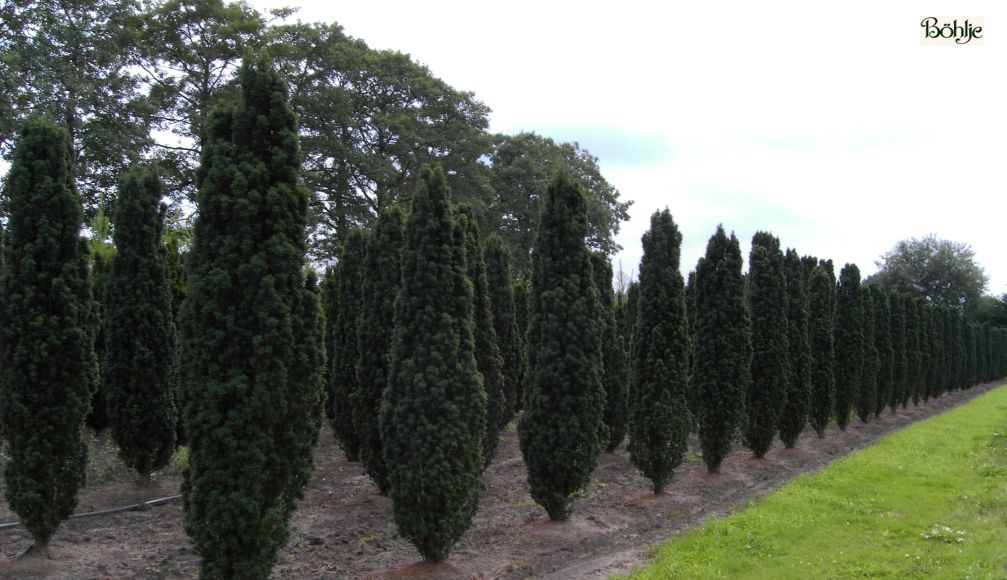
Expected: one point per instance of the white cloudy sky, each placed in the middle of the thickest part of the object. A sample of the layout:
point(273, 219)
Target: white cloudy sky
point(830, 126)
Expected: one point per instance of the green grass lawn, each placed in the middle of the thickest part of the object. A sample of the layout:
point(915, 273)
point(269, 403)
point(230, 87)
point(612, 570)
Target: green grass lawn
point(929, 501)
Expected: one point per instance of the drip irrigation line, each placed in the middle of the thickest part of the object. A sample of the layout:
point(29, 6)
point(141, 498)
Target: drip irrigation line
point(131, 507)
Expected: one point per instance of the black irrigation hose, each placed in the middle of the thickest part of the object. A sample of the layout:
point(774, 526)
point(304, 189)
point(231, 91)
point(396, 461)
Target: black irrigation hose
point(135, 506)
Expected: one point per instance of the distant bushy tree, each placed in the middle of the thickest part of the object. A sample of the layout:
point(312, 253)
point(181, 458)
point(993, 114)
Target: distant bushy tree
point(382, 275)
point(343, 385)
point(251, 335)
point(139, 364)
point(943, 272)
point(849, 340)
point(900, 351)
point(767, 297)
point(489, 362)
point(500, 284)
point(821, 291)
point(660, 420)
point(46, 334)
point(433, 414)
point(723, 348)
point(866, 397)
point(559, 430)
point(798, 397)
point(613, 355)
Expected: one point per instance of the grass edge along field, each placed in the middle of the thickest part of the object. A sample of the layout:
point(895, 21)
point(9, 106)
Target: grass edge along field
point(928, 501)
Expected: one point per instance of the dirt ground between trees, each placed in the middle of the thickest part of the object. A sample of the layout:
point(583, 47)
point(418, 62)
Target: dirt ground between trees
point(344, 529)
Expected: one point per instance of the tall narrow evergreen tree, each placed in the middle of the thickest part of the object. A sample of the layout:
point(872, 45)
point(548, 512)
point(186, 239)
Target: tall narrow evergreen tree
point(767, 297)
point(383, 272)
point(343, 385)
point(632, 317)
point(251, 336)
point(866, 399)
point(723, 349)
point(138, 369)
point(849, 340)
point(500, 284)
point(329, 291)
point(102, 252)
point(660, 419)
point(433, 413)
point(900, 361)
point(971, 377)
point(883, 345)
point(821, 292)
point(488, 358)
point(798, 397)
point(522, 296)
point(916, 344)
point(613, 354)
point(559, 430)
point(934, 353)
point(46, 334)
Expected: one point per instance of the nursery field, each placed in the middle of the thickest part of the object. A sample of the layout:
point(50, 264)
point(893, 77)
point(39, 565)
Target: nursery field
point(927, 502)
point(344, 529)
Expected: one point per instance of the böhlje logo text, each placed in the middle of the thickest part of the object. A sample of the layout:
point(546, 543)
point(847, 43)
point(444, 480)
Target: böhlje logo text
point(951, 30)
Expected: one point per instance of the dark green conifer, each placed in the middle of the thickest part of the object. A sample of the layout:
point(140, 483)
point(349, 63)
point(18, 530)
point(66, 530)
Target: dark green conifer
point(900, 361)
point(102, 252)
point(559, 430)
point(660, 419)
point(798, 397)
point(866, 397)
point(916, 345)
point(613, 354)
point(821, 292)
point(329, 291)
point(433, 413)
point(632, 316)
point(849, 341)
point(522, 295)
point(251, 337)
point(139, 364)
point(383, 272)
point(46, 334)
point(343, 385)
point(767, 298)
point(934, 353)
point(971, 376)
point(883, 345)
point(723, 349)
point(488, 358)
point(500, 283)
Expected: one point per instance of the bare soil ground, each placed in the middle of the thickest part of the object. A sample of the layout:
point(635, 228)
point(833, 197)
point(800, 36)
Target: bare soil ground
point(344, 529)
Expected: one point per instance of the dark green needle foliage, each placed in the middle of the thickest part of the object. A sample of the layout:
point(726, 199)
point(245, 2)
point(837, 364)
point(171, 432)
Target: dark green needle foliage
point(488, 358)
point(866, 397)
point(795, 410)
point(329, 289)
point(102, 252)
point(433, 413)
point(46, 333)
point(900, 362)
point(849, 337)
point(139, 356)
point(971, 377)
point(661, 419)
point(382, 276)
point(612, 353)
point(916, 343)
point(690, 311)
point(343, 383)
point(723, 348)
point(500, 285)
point(632, 316)
point(251, 335)
point(767, 297)
point(934, 353)
point(821, 295)
point(560, 428)
point(522, 295)
point(883, 344)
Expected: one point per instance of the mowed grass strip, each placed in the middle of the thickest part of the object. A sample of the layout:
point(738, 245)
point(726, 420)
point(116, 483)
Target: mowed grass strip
point(929, 501)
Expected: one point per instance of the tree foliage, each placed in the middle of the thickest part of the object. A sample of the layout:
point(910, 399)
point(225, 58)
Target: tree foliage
point(500, 283)
point(559, 430)
point(798, 396)
point(849, 342)
point(343, 385)
point(821, 296)
point(941, 271)
point(898, 331)
point(613, 354)
point(866, 396)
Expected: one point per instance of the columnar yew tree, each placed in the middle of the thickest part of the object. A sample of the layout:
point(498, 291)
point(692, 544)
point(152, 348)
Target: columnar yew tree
point(559, 430)
point(138, 369)
point(883, 344)
point(866, 396)
point(767, 297)
point(660, 419)
point(849, 338)
point(798, 397)
point(613, 354)
point(329, 289)
point(971, 377)
point(251, 335)
point(900, 354)
point(500, 285)
point(522, 296)
point(821, 291)
point(433, 413)
point(46, 348)
point(343, 385)
point(723, 348)
point(383, 272)
point(488, 359)
point(934, 353)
